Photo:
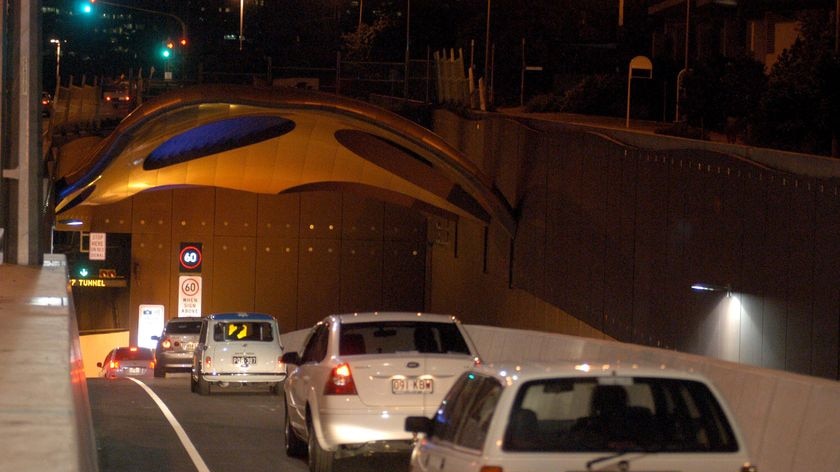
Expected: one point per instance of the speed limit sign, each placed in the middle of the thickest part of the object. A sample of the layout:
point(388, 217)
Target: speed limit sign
point(189, 295)
point(189, 258)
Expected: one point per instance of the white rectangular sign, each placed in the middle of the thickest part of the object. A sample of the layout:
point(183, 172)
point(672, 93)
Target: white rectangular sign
point(150, 324)
point(189, 295)
point(97, 247)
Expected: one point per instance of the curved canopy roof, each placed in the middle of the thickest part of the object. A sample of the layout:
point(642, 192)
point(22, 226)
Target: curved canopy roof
point(274, 140)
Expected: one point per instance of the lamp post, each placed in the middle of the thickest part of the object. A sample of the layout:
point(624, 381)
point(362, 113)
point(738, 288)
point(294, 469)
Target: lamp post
point(407, 42)
point(241, 22)
point(57, 43)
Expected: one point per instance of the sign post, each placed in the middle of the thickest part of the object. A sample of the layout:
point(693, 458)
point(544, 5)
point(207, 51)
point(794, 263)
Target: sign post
point(645, 68)
point(149, 324)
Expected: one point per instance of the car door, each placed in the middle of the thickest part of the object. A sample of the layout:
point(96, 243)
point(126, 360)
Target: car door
point(460, 426)
point(300, 381)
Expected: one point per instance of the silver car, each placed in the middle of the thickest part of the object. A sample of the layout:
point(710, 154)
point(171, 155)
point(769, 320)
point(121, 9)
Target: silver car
point(361, 375)
point(176, 344)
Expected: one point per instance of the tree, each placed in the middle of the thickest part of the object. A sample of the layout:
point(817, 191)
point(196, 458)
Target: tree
point(799, 110)
point(723, 90)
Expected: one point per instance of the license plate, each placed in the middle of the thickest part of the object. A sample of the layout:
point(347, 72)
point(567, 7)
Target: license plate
point(189, 346)
point(134, 370)
point(244, 361)
point(412, 385)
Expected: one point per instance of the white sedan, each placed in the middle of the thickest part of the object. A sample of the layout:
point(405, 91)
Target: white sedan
point(361, 375)
point(566, 417)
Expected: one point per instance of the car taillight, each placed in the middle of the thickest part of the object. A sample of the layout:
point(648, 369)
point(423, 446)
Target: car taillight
point(491, 468)
point(476, 361)
point(340, 381)
point(279, 361)
point(151, 364)
point(749, 468)
point(167, 343)
point(115, 364)
point(208, 361)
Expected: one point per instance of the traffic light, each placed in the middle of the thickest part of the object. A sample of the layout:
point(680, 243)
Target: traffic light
point(86, 7)
point(183, 41)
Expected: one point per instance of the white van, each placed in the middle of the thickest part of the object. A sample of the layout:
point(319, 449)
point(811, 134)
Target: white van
point(238, 349)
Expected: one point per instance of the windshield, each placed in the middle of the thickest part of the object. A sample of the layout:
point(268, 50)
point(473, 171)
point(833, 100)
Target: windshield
point(388, 337)
point(617, 414)
point(133, 354)
point(243, 331)
point(183, 327)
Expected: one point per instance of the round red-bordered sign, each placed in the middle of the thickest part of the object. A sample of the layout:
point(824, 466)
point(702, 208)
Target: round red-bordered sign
point(190, 258)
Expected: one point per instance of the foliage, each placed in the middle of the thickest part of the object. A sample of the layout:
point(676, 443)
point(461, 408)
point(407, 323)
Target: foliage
point(599, 94)
point(359, 44)
point(799, 110)
point(722, 89)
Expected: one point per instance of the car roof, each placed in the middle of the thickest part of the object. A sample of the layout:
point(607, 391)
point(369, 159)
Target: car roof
point(364, 317)
point(516, 372)
point(188, 319)
point(240, 316)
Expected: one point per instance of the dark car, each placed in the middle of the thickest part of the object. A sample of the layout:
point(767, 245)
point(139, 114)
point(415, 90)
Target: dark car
point(176, 345)
point(128, 362)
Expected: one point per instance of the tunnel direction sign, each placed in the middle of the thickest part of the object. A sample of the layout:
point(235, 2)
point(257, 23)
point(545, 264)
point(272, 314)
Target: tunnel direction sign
point(189, 295)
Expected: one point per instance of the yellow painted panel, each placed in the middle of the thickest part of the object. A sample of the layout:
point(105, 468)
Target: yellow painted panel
point(236, 213)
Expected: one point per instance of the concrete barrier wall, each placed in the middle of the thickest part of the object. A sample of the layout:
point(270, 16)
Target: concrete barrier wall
point(790, 422)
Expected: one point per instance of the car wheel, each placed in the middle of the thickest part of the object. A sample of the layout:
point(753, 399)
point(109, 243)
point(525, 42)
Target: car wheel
point(295, 446)
point(320, 460)
point(203, 386)
point(193, 384)
point(276, 388)
point(160, 371)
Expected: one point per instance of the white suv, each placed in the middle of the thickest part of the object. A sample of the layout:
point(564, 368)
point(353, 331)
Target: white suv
point(559, 417)
point(238, 349)
point(360, 375)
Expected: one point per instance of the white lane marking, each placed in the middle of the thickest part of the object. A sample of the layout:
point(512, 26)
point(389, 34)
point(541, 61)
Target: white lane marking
point(182, 435)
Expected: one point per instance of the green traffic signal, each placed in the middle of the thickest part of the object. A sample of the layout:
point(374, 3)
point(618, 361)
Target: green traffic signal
point(165, 53)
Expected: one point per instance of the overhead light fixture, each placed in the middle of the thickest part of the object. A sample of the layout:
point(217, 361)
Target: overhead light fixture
point(71, 222)
point(704, 287)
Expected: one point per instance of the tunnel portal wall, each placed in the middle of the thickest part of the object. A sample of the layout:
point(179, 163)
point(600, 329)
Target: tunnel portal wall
point(615, 236)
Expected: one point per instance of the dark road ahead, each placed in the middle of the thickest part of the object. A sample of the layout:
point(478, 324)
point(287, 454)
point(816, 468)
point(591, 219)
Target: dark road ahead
point(234, 430)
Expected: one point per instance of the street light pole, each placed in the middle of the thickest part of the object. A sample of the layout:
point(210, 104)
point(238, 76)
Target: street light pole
point(487, 45)
point(407, 48)
point(241, 22)
point(57, 43)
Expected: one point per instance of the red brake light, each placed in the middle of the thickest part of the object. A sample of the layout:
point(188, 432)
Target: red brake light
point(151, 364)
point(208, 361)
point(132, 349)
point(340, 381)
point(115, 364)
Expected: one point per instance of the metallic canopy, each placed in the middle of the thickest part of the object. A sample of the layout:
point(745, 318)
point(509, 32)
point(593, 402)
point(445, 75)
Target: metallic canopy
point(273, 140)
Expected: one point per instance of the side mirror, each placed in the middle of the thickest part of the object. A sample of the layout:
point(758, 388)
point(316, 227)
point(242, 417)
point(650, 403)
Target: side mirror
point(290, 358)
point(156, 338)
point(99, 364)
point(419, 424)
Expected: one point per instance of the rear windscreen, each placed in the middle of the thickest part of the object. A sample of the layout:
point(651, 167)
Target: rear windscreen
point(243, 331)
point(128, 354)
point(618, 414)
point(183, 327)
point(387, 337)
